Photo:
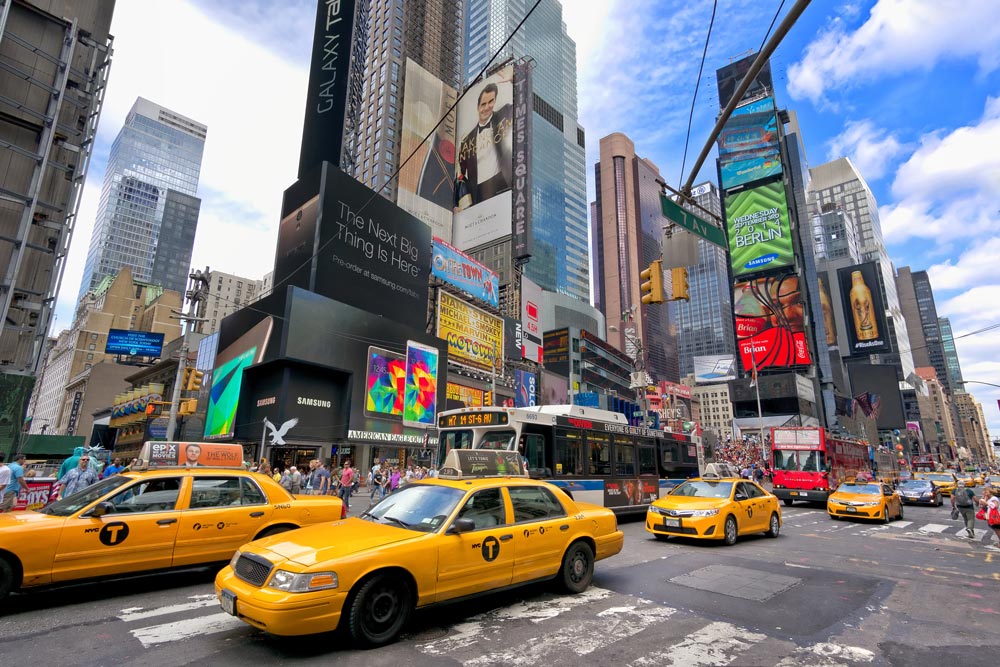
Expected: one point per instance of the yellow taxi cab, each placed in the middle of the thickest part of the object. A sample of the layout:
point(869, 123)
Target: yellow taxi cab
point(713, 507)
point(472, 530)
point(161, 514)
point(945, 481)
point(860, 499)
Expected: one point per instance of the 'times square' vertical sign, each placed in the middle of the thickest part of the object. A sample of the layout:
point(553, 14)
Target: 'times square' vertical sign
point(323, 131)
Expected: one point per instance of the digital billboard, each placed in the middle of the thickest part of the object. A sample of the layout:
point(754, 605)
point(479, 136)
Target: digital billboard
point(466, 397)
point(880, 382)
point(770, 323)
point(521, 162)
point(135, 343)
point(484, 127)
point(555, 346)
point(375, 256)
point(760, 237)
point(421, 385)
point(531, 333)
point(474, 337)
point(453, 266)
point(426, 181)
point(729, 77)
point(555, 389)
point(227, 378)
point(748, 144)
point(714, 368)
point(864, 310)
point(526, 389)
point(384, 383)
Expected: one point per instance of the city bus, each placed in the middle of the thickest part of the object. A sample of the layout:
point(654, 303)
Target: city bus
point(809, 463)
point(595, 455)
point(885, 466)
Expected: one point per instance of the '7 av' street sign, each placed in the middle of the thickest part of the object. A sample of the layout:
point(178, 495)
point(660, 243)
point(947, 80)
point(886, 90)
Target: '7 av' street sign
point(691, 222)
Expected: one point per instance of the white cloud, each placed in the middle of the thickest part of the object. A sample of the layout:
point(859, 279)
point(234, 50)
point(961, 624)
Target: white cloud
point(871, 149)
point(898, 36)
point(977, 264)
point(252, 101)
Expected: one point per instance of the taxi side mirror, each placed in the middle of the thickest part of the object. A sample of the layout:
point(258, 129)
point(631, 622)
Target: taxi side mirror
point(461, 526)
point(100, 509)
point(741, 496)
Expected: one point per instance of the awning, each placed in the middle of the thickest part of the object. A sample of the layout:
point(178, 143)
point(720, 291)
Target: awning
point(51, 446)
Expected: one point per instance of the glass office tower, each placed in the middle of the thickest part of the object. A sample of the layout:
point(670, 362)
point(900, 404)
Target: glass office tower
point(561, 258)
point(148, 212)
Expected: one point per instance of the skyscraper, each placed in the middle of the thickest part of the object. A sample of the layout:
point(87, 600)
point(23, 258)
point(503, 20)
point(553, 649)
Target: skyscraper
point(950, 353)
point(925, 342)
point(148, 213)
point(628, 228)
point(561, 259)
point(704, 324)
point(55, 58)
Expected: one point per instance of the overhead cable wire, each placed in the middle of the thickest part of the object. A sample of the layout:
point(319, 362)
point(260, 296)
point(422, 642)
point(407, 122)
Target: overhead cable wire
point(697, 85)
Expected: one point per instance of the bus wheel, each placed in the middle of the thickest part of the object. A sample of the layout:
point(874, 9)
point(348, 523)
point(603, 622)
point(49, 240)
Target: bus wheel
point(787, 501)
point(774, 527)
point(731, 531)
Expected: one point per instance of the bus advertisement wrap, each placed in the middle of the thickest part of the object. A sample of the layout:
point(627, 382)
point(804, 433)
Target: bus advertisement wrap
point(760, 237)
point(474, 337)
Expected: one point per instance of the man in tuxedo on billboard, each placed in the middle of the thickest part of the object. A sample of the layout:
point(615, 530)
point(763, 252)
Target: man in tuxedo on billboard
point(485, 152)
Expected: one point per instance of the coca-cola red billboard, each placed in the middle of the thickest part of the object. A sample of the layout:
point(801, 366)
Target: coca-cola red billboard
point(770, 329)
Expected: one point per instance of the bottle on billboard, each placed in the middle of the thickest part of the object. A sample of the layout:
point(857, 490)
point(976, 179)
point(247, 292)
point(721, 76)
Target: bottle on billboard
point(865, 327)
point(463, 198)
point(824, 300)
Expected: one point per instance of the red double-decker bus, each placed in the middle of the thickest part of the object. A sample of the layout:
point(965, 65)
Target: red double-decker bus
point(809, 463)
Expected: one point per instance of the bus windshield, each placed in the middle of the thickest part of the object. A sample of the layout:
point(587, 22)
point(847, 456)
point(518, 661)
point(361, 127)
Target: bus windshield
point(456, 439)
point(805, 461)
point(497, 440)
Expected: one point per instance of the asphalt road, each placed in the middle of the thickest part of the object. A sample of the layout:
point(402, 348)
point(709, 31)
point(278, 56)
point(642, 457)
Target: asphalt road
point(825, 593)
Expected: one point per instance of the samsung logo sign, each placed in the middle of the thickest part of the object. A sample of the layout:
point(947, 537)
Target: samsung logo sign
point(313, 402)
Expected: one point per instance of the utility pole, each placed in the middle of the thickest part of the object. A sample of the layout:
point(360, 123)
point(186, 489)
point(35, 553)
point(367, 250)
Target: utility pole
point(200, 281)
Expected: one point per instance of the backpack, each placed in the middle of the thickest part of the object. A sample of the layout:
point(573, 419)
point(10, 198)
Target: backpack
point(963, 498)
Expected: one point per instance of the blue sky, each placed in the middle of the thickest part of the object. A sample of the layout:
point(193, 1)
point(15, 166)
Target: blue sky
point(908, 89)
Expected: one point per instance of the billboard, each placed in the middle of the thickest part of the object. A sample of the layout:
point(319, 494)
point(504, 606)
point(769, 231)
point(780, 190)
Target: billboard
point(864, 310)
point(483, 197)
point(474, 337)
point(467, 397)
point(729, 77)
point(748, 144)
point(374, 255)
point(531, 334)
point(329, 88)
point(521, 162)
point(135, 343)
point(770, 328)
point(555, 389)
point(556, 350)
point(880, 383)
point(760, 237)
point(227, 378)
point(525, 389)
point(714, 368)
point(453, 266)
point(426, 181)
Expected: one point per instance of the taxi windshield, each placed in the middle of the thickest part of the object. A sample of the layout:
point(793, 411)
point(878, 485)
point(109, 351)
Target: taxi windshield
point(704, 489)
point(864, 489)
point(422, 507)
point(82, 498)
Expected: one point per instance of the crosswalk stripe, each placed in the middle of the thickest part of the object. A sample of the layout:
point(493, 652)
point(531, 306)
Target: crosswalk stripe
point(979, 532)
point(825, 654)
point(933, 528)
point(716, 644)
point(140, 613)
point(203, 625)
point(901, 524)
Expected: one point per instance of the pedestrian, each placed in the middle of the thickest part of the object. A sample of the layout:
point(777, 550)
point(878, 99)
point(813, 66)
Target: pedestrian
point(963, 502)
point(991, 506)
point(264, 468)
point(285, 479)
point(375, 482)
point(321, 480)
point(346, 484)
point(16, 484)
point(295, 481)
point(78, 478)
point(394, 479)
point(113, 469)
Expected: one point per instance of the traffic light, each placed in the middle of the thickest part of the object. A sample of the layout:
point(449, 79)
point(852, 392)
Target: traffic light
point(193, 382)
point(679, 284)
point(187, 407)
point(652, 287)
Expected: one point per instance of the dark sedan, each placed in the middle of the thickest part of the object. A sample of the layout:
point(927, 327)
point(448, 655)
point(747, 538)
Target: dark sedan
point(920, 492)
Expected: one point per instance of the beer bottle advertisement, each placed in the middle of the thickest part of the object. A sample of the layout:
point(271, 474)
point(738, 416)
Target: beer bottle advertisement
point(864, 309)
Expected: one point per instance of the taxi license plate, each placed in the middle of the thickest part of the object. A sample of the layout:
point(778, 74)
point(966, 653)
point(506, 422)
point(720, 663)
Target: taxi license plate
point(228, 602)
point(672, 523)
point(793, 493)
point(852, 509)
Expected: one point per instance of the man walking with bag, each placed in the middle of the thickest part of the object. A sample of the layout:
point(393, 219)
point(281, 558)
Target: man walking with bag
point(963, 503)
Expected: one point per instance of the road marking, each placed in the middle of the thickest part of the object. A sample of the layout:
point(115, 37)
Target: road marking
point(715, 644)
point(139, 613)
point(901, 524)
point(825, 654)
point(203, 625)
point(933, 528)
point(978, 531)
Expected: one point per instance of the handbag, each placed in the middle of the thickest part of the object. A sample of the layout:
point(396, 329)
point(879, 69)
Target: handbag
point(981, 514)
point(993, 517)
point(954, 513)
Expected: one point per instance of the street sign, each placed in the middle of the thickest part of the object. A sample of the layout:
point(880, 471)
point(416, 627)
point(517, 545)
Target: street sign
point(689, 221)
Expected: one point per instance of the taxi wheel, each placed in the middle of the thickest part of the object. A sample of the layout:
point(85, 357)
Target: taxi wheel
point(577, 569)
point(787, 501)
point(273, 530)
point(900, 517)
point(730, 531)
point(774, 526)
point(885, 515)
point(6, 578)
point(379, 609)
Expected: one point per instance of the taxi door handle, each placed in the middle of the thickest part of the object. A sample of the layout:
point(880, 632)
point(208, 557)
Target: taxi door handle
point(166, 522)
point(256, 514)
point(564, 528)
point(504, 538)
